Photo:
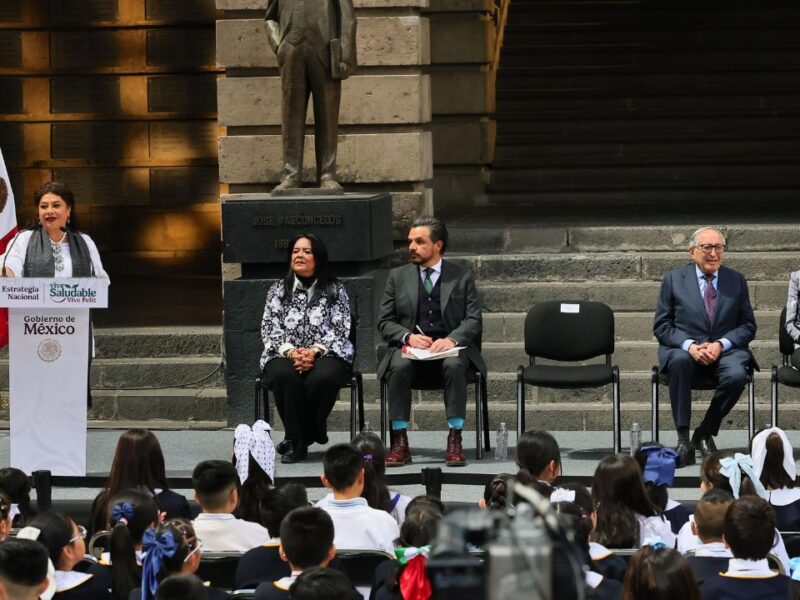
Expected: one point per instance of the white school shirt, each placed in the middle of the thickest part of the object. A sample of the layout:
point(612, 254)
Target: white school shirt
point(656, 526)
point(357, 526)
point(713, 550)
point(399, 510)
point(15, 259)
point(688, 541)
point(783, 496)
point(222, 532)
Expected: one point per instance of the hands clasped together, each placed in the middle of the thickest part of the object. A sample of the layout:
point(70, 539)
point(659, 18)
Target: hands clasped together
point(706, 353)
point(302, 359)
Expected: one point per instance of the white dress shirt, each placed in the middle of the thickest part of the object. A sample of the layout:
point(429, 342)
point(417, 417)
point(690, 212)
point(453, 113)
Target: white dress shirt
point(222, 532)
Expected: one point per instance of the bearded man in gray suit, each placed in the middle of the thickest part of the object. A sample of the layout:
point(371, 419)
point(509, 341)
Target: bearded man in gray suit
point(315, 44)
point(431, 304)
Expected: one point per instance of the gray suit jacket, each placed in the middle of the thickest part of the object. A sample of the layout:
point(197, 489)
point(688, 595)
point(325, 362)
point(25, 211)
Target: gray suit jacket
point(681, 314)
point(461, 310)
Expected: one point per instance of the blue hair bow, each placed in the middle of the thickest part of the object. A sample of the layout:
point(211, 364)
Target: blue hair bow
point(156, 548)
point(122, 511)
point(655, 542)
point(732, 469)
point(659, 469)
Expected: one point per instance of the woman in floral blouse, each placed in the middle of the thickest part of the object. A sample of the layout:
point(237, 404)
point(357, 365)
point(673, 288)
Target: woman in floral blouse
point(793, 316)
point(307, 348)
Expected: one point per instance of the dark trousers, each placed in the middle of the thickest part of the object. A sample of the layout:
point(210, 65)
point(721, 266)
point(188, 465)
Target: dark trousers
point(303, 73)
point(796, 359)
point(304, 401)
point(730, 372)
point(451, 372)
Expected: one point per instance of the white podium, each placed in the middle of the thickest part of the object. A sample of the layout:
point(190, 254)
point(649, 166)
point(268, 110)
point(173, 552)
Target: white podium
point(49, 345)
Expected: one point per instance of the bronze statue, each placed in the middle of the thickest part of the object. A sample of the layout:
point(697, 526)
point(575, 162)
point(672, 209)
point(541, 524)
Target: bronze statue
point(315, 43)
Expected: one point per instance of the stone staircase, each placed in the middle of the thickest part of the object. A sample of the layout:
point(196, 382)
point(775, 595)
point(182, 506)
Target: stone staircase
point(138, 373)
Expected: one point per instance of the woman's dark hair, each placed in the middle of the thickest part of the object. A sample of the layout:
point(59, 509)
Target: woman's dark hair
point(325, 280)
point(63, 192)
point(375, 491)
point(659, 574)
point(252, 491)
point(18, 487)
point(130, 514)
point(55, 533)
point(619, 496)
point(773, 475)
point(186, 541)
point(658, 494)
point(138, 462)
point(535, 450)
point(709, 473)
point(276, 503)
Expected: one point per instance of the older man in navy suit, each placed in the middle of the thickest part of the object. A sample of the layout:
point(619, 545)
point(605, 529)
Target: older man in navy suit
point(704, 323)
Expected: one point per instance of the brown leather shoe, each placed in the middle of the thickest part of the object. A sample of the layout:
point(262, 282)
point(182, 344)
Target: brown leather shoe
point(455, 451)
point(400, 453)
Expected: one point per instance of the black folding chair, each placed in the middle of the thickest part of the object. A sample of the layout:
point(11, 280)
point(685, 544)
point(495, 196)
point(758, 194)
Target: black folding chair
point(219, 568)
point(791, 539)
point(436, 382)
point(100, 542)
point(702, 381)
point(785, 374)
point(569, 332)
point(355, 383)
point(359, 565)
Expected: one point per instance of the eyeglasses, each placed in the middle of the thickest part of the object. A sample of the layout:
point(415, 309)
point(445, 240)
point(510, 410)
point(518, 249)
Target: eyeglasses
point(707, 248)
point(198, 546)
point(81, 535)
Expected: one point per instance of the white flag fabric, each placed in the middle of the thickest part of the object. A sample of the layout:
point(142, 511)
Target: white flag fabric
point(8, 211)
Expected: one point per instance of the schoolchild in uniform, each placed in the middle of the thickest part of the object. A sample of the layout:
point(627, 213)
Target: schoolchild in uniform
point(321, 583)
point(23, 569)
point(538, 454)
point(264, 563)
point(710, 557)
point(658, 471)
point(376, 491)
point(64, 541)
point(626, 517)
point(358, 526)
point(254, 459)
point(306, 542)
point(773, 464)
point(172, 548)
point(733, 473)
point(130, 513)
point(749, 532)
point(658, 573)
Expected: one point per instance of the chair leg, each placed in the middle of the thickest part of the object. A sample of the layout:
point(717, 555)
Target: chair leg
point(359, 380)
point(383, 401)
point(520, 404)
point(256, 399)
point(353, 406)
point(654, 429)
point(773, 398)
point(487, 444)
point(478, 417)
point(617, 413)
point(751, 408)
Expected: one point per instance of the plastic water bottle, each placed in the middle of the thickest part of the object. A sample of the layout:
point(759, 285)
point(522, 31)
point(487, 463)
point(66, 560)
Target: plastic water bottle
point(501, 443)
point(367, 427)
point(636, 438)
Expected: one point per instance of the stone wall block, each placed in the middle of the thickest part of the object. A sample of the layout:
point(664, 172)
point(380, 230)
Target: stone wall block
point(461, 38)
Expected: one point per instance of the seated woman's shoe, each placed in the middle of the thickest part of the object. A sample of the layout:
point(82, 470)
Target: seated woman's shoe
point(298, 453)
point(283, 447)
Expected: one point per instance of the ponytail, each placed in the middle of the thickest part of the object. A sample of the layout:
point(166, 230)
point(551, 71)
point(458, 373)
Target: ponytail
point(130, 513)
point(375, 491)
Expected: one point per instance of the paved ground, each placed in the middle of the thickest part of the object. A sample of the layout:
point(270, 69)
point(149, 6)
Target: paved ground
point(184, 448)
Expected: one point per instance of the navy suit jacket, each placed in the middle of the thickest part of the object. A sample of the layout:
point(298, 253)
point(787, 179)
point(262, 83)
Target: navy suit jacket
point(681, 314)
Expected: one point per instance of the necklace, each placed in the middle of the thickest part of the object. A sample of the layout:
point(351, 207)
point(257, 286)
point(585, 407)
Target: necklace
point(58, 259)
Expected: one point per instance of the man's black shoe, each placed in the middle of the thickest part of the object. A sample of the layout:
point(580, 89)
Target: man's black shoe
point(298, 454)
point(685, 455)
point(284, 447)
point(704, 442)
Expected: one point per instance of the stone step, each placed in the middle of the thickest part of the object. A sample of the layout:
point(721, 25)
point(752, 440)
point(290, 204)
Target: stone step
point(615, 266)
point(564, 417)
point(141, 342)
point(635, 386)
point(621, 295)
point(182, 406)
point(121, 373)
point(510, 327)
point(488, 236)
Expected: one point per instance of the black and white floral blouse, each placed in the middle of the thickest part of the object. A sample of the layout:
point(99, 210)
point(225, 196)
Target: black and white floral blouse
point(305, 320)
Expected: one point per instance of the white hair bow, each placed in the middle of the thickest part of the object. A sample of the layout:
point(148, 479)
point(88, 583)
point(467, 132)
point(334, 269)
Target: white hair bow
point(732, 469)
point(562, 495)
point(759, 452)
point(255, 441)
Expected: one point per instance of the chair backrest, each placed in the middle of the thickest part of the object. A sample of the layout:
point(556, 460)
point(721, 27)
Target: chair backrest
point(99, 543)
point(785, 341)
point(569, 331)
point(219, 568)
point(775, 563)
point(360, 565)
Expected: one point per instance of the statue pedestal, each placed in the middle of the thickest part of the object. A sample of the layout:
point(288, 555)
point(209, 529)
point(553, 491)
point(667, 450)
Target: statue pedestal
point(256, 229)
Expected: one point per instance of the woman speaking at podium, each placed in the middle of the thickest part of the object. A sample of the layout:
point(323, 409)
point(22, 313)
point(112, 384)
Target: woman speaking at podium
point(53, 246)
